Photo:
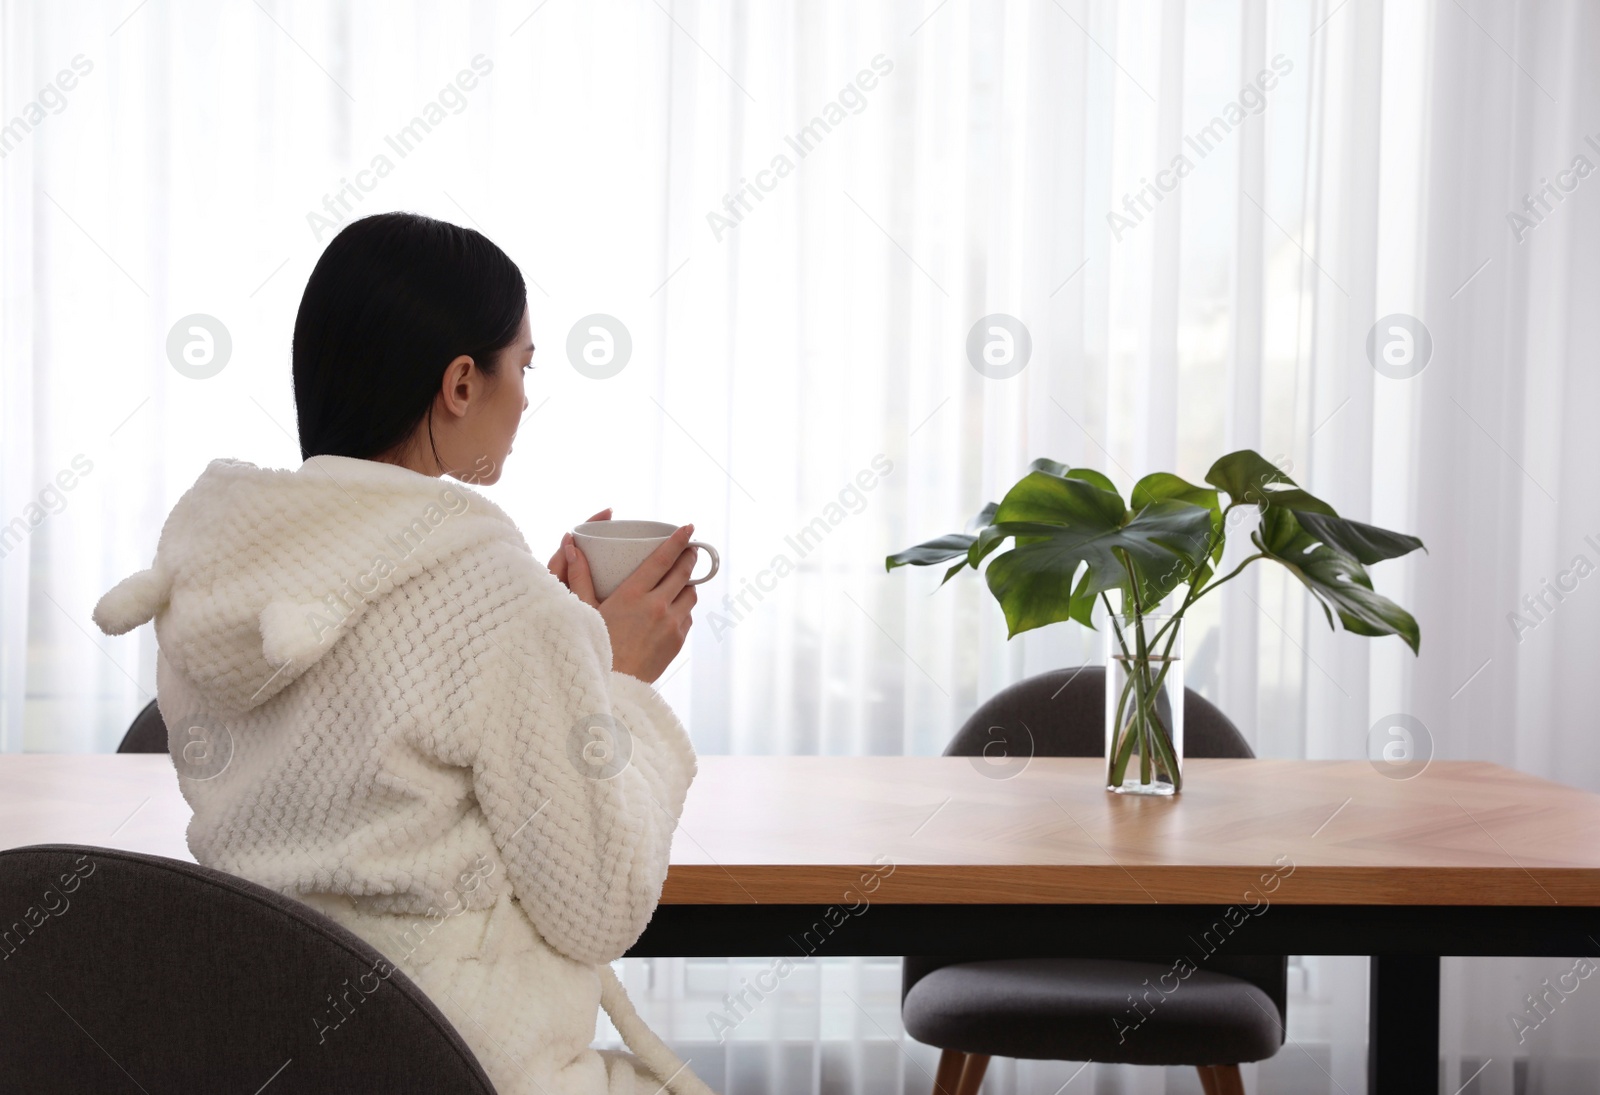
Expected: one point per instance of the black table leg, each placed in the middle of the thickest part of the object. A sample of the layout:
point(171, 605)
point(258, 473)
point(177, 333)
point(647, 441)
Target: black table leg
point(1403, 1025)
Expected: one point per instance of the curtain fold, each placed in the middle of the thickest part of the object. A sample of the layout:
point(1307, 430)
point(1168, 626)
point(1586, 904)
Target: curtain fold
point(802, 214)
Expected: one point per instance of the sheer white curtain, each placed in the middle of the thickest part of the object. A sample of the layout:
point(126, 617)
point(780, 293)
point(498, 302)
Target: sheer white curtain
point(799, 296)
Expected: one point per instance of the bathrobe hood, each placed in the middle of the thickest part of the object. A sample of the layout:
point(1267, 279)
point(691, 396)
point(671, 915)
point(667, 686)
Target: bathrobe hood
point(259, 572)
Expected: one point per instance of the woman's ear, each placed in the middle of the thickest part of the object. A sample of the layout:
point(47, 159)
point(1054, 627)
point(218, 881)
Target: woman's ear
point(459, 386)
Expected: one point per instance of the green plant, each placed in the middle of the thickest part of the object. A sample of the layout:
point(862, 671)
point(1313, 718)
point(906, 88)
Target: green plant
point(1074, 540)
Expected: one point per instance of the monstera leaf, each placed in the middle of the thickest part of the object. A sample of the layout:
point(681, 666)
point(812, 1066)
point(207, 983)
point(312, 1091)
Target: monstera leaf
point(1251, 479)
point(1365, 543)
point(944, 548)
point(933, 551)
point(1165, 487)
point(1065, 520)
point(1335, 578)
point(1325, 551)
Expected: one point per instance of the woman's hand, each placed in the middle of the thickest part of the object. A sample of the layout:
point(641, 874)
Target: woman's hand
point(558, 562)
point(649, 615)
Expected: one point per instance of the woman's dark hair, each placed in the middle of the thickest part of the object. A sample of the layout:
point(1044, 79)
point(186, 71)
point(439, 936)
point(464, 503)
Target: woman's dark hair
point(394, 299)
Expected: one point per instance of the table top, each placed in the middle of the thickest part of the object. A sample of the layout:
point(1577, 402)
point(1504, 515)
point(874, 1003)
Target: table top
point(932, 830)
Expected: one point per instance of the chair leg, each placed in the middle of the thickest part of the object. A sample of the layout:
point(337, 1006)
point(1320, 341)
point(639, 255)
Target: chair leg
point(951, 1062)
point(1227, 1079)
point(972, 1074)
point(1208, 1079)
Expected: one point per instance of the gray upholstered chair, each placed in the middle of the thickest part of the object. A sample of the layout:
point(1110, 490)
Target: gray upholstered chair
point(119, 967)
point(1231, 1010)
point(148, 734)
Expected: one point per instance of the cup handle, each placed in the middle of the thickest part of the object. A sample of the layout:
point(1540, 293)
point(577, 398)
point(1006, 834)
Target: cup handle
point(716, 561)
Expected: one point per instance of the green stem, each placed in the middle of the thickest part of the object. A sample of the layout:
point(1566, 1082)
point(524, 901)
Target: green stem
point(1139, 724)
point(1141, 677)
point(1195, 594)
point(1145, 726)
point(1122, 741)
point(1162, 740)
point(1162, 734)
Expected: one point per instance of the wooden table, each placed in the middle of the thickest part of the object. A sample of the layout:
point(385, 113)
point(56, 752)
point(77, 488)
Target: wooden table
point(931, 855)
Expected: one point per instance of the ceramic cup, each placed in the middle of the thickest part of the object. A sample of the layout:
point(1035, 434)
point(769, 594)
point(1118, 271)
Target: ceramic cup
point(616, 548)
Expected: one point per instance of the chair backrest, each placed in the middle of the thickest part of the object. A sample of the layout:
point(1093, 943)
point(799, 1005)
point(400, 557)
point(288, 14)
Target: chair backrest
point(1062, 713)
point(117, 966)
point(148, 734)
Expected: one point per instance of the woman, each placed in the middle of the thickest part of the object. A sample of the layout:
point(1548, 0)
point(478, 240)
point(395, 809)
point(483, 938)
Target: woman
point(422, 731)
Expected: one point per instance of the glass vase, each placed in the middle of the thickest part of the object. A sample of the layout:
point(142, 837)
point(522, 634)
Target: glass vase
point(1144, 705)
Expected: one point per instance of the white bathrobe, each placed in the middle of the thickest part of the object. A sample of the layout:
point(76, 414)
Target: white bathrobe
point(381, 703)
